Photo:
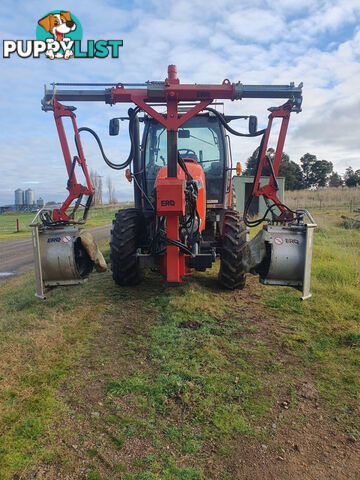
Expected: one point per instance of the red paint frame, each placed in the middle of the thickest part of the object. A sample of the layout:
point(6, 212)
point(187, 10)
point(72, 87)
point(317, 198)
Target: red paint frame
point(173, 93)
point(75, 188)
point(270, 190)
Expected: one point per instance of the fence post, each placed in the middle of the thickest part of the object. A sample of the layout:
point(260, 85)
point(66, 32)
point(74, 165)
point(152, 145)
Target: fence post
point(17, 225)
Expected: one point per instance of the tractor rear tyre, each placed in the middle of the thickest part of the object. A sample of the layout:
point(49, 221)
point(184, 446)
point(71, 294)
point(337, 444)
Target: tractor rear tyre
point(232, 275)
point(124, 241)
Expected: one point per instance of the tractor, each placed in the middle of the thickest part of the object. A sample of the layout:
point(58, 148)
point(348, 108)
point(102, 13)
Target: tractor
point(184, 213)
point(209, 226)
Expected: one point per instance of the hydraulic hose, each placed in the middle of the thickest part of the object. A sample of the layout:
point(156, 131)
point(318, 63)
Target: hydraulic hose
point(116, 166)
point(258, 221)
point(184, 167)
point(231, 130)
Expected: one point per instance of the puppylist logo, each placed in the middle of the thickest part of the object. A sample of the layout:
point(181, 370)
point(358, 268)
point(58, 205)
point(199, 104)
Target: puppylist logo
point(58, 36)
point(59, 30)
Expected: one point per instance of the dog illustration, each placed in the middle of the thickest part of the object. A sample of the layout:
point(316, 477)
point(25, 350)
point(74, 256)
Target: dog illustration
point(58, 24)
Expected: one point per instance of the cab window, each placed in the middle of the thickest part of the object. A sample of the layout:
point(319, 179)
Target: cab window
point(200, 139)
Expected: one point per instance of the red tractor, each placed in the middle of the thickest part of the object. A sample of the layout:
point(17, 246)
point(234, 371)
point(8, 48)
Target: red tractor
point(184, 213)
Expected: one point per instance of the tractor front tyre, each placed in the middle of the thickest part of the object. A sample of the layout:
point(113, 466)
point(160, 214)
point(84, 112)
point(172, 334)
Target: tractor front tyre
point(232, 275)
point(124, 241)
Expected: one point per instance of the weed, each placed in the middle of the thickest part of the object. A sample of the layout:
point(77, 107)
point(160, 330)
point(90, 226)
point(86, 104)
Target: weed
point(118, 442)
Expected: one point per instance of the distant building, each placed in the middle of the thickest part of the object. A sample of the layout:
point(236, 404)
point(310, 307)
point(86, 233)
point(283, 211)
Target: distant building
point(24, 202)
point(29, 197)
point(19, 197)
point(40, 202)
point(6, 208)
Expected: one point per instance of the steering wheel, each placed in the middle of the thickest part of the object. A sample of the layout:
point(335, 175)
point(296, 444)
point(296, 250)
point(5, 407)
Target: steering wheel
point(187, 152)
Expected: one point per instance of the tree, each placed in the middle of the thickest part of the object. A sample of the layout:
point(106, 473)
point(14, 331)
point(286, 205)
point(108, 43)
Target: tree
point(307, 161)
point(252, 161)
point(292, 173)
point(352, 178)
point(288, 169)
point(316, 172)
point(320, 172)
point(96, 181)
point(111, 190)
point(251, 164)
point(335, 180)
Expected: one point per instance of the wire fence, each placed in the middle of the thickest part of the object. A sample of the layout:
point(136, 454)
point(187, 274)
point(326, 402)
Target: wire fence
point(324, 197)
point(9, 225)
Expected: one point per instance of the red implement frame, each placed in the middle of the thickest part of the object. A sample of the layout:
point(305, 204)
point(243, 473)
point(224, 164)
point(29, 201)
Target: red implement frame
point(269, 190)
point(76, 190)
point(171, 92)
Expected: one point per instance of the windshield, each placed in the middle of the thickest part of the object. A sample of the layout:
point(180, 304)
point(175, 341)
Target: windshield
point(200, 139)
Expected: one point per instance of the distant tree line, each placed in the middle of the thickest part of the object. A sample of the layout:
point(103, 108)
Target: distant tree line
point(97, 183)
point(311, 173)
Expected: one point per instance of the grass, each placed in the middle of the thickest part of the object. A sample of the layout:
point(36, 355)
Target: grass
point(325, 331)
point(96, 217)
point(324, 197)
point(196, 386)
point(188, 393)
point(202, 372)
point(39, 345)
point(184, 376)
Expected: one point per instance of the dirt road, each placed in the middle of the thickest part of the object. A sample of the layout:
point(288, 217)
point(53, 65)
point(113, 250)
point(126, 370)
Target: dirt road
point(16, 257)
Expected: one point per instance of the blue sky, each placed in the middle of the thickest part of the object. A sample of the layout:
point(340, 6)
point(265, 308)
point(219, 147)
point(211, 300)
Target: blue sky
point(264, 42)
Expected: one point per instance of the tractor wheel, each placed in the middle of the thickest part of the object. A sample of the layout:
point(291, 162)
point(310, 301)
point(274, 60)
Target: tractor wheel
point(234, 231)
point(124, 241)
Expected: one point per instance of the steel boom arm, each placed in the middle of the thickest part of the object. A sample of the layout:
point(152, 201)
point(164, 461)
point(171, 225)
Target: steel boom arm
point(160, 92)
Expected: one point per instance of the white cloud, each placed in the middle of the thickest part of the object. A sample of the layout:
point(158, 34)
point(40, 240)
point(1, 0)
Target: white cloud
point(254, 24)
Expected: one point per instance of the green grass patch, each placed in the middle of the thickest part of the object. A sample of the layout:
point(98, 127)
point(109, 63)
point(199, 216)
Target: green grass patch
point(198, 385)
point(324, 331)
point(8, 232)
point(40, 344)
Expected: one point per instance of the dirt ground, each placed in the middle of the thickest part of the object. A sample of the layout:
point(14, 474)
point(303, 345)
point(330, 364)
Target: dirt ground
point(306, 441)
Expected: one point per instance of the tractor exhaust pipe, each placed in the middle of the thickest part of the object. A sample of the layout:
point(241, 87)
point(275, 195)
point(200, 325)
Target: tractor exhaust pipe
point(281, 254)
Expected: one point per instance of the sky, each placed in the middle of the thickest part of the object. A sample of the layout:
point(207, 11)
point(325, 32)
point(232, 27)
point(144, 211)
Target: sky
point(255, 41)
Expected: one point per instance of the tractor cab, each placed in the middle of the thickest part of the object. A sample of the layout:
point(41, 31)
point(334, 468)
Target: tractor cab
point(201, 139)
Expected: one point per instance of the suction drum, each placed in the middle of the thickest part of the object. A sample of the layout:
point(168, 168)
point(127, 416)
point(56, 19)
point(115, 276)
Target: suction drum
point(64, 260)
point(288, 256)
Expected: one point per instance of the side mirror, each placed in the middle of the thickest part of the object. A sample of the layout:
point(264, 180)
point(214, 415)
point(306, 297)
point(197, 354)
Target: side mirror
point(252, 124)
point(114, 127)
point(184, 133)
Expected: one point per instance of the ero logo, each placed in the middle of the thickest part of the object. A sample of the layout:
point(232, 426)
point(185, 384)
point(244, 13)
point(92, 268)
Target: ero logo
point(58, 36)
point(167, 203)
